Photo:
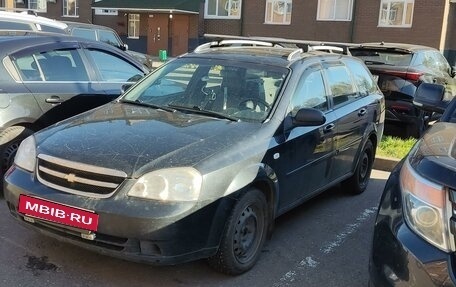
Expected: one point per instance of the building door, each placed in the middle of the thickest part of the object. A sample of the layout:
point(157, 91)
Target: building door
point(179, 35)
point(157, 35)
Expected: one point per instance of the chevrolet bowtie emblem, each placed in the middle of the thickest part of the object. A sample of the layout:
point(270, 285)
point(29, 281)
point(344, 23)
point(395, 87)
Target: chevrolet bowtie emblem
point(70, 177)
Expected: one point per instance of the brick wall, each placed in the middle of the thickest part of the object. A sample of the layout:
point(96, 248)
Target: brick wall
point(55, 11)
point(426, 26)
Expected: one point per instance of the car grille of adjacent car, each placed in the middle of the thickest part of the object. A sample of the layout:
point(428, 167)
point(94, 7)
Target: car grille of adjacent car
point(78, 178)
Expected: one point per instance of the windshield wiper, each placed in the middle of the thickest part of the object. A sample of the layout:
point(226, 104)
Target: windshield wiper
point(201, 111)
point(144, 104)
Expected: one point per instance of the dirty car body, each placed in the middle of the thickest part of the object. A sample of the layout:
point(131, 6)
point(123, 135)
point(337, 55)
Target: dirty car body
point(197, 159)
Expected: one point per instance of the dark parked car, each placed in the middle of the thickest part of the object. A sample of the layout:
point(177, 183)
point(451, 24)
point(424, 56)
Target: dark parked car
point(415, 230)
point(199, 158)
point(106, 35)
point(45, 79)
point(400, 69)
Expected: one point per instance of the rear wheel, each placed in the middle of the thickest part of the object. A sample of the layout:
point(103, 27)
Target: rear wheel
point(244, 235)
point(357, 183)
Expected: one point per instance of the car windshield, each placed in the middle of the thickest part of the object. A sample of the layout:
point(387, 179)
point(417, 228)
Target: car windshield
point(382, 57)
point(234, 90)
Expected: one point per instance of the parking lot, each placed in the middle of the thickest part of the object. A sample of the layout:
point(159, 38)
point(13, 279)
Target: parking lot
point(324, 242)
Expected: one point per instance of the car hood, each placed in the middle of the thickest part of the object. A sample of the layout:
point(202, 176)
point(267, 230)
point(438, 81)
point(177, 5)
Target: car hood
point(435, 155)
point(137, 139)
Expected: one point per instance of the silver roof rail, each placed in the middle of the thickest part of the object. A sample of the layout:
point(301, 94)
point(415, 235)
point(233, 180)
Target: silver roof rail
point(293, 54)
point(232, 42)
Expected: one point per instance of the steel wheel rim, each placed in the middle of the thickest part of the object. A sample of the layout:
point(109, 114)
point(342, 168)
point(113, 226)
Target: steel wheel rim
point(247, 235)
point(364, 168)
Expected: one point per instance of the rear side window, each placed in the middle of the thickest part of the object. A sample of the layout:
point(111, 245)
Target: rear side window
point(84, 33)
point(113, 68)
point(362, 77)
point(57, 65)
point(340, 84)
point(7, 25)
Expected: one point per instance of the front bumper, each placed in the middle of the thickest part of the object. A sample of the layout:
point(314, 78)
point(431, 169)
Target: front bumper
point(130, 228)
point(399, 257)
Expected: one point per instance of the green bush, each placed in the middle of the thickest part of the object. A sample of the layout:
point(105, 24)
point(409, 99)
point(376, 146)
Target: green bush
point(395, 147)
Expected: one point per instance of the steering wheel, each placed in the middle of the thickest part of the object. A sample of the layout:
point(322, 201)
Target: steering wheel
point(256, 102)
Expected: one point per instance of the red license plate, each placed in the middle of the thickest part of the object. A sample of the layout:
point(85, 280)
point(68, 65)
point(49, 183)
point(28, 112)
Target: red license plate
point(59, 213)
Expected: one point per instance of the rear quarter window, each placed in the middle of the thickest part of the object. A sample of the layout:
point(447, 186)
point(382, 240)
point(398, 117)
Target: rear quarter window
point(362, 77)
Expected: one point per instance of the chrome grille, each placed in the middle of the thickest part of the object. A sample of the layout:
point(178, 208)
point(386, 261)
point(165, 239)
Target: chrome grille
point(78, 178)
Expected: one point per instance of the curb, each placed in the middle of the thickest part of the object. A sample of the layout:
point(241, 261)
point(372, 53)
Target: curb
point(385, 163)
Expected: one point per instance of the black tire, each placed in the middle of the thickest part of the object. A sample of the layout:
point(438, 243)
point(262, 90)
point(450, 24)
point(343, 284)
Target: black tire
point(244, 235)
point(10, 139)
point(357, 183)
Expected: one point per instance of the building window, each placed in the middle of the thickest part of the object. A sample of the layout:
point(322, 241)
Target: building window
point(396, 13)
point(222, 9)
point(70, 8)
point(334, 10)
point(133, 26)
point(38, 5)
point(278, 12)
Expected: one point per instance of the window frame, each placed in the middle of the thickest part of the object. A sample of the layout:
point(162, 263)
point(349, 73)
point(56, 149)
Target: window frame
point(210, 16)
point(349, 8)
point(36, 4)
point(288, 3)
point(382, 24)
point(136, 26)
point(65, 9)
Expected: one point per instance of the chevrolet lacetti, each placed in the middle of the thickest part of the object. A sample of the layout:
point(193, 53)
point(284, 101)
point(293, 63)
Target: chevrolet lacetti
point(198, 158)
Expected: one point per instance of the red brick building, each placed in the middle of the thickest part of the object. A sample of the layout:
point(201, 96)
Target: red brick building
point(178, 25)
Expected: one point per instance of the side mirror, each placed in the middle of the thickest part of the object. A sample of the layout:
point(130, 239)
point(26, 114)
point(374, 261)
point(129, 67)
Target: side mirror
point(453, 71)
point(125, 88)
point(429, 97)
point(125, 47)
point(309, 117)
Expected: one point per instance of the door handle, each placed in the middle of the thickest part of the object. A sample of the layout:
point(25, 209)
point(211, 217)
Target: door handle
point(362, 112)
point(328, 128)
point(54, 100)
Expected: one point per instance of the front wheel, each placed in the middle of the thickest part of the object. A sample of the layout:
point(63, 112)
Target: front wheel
point(357, 183)
point(244, 235)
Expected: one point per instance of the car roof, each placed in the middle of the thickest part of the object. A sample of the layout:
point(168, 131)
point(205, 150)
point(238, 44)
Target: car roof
point(393, 46)
point(85, 25)
point(28, 18)
point(256, 51)
point(11, 44)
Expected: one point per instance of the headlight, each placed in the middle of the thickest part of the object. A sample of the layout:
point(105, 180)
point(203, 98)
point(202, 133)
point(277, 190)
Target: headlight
point(26, 154)
point(173, 184)
point(425, 207)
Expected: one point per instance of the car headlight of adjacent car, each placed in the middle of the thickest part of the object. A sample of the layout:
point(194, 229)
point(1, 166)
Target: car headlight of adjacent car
point(26, 154)
point(426, 207)
point(173, 184)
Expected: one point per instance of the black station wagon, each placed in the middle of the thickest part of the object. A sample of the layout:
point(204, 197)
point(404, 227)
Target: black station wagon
point(198, 158)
